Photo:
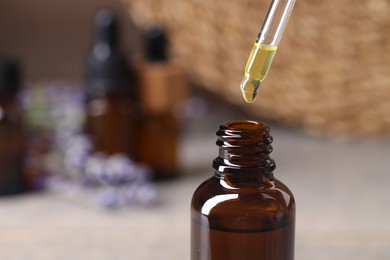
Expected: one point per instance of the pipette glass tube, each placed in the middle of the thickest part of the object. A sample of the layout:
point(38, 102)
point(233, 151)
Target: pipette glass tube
point(265, 47)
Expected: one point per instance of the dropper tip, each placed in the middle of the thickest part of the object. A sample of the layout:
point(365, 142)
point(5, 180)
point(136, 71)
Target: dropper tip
point(248, 97)
point(249, 89)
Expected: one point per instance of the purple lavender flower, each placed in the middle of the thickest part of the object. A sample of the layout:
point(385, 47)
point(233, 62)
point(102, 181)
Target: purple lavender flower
point(110, 198)
point(77, 150)
point(59, 109)
point(129, 192)
point(120, 169)
point(79, 143)
point(95, 167)
point(140, 194)
point(147, 194)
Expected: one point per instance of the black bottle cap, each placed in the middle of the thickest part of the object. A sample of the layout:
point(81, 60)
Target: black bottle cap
point(107, 68)
point(9, 77)
point(156, 43)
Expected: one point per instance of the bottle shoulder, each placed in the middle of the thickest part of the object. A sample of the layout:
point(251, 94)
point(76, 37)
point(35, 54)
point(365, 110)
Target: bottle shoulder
point(259, 204)
point(215, 186)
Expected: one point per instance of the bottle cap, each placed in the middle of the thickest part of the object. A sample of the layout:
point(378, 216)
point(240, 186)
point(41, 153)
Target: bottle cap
point(156, 43)
point(9, 76)
point(107, 68)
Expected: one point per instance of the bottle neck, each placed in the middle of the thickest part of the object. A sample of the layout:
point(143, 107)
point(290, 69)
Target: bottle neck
point(244, 148)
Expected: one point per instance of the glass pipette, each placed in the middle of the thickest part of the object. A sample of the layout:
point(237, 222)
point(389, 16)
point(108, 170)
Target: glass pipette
point(265, 47)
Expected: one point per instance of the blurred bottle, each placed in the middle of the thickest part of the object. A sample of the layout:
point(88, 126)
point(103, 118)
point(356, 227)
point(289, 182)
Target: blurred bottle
point(243, 211)
point(163, 87)
point(12, 138)
point(111, 92)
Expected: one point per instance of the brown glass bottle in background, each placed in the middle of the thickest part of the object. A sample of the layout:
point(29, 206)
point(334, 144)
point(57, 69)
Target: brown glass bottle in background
point(110, 91)
point(243, 212)
point(162, 88)
point(12, 139)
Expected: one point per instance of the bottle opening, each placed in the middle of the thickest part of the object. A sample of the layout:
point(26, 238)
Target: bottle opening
point(243, 125)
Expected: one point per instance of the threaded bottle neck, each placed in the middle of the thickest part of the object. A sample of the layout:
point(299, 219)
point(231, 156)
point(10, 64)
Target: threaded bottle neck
point(244, 148)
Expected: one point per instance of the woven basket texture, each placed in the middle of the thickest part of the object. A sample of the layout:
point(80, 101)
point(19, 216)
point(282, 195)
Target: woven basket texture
point(331, 73)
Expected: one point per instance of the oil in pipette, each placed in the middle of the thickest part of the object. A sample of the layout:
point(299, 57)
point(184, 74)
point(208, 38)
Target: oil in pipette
point(256, 70)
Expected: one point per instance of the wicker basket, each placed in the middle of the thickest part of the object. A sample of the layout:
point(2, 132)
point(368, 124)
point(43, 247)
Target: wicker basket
point(331, 72)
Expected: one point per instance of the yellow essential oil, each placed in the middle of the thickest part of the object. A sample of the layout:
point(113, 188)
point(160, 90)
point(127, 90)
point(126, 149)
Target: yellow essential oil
point(256, 70)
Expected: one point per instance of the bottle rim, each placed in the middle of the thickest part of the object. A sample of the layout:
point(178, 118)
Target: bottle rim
point(244, 126)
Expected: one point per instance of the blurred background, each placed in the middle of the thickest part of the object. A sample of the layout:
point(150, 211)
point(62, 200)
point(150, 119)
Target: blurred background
point(113, 115)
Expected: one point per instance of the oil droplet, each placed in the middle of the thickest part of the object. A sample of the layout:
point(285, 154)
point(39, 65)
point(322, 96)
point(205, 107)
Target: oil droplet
point(249, 89)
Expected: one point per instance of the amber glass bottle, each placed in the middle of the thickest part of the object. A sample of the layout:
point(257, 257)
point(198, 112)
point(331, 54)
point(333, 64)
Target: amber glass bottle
point(243, 212)
point(11, 130)
point(163, 87)
point(110, 90)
